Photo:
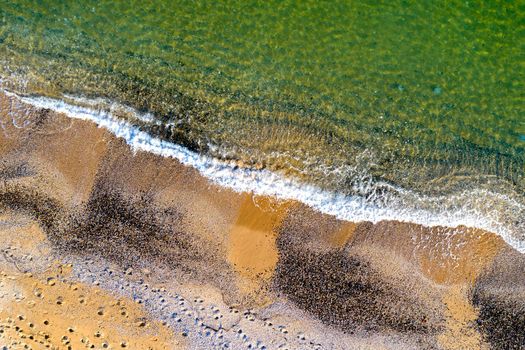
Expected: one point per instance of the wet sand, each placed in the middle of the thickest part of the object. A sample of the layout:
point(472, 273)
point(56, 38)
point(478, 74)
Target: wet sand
point(197, 266)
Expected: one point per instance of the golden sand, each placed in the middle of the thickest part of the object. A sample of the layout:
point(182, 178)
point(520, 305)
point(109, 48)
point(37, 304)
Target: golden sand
point(460, 322)
point(78, 169)
point(470, 254)
point(49, 310)
point(43, 311)
point(251, 246)
point(340, 237)
point(463, 254)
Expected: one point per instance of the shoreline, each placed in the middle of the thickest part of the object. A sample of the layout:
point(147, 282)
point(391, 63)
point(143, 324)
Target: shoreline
point(247, 269)
point(266, 183)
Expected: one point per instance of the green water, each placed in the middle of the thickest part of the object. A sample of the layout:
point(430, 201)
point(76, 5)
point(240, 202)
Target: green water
point(413, 91)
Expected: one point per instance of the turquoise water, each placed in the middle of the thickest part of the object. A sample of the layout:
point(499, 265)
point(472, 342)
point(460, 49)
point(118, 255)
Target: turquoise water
point(419, 94)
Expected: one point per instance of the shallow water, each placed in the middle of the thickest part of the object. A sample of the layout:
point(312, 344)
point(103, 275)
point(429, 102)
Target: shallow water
point(369, 100)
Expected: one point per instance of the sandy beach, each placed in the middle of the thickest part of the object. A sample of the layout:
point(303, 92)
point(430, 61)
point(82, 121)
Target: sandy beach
point(106, 247)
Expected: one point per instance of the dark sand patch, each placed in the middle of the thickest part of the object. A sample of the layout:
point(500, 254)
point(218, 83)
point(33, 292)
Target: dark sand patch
point(499, 294)
point(349, 288)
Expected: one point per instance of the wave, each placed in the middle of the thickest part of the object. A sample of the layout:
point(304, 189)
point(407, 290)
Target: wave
point(481, 208)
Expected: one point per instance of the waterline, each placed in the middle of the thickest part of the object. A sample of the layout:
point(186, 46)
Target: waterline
point(460, 209)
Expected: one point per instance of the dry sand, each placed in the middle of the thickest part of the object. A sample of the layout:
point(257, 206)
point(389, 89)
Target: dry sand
point(48, 309)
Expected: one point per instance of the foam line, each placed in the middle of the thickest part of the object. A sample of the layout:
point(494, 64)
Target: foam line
point(264, 182)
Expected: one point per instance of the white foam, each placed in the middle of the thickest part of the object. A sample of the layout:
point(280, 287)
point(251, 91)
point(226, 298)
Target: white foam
point(450, 211)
